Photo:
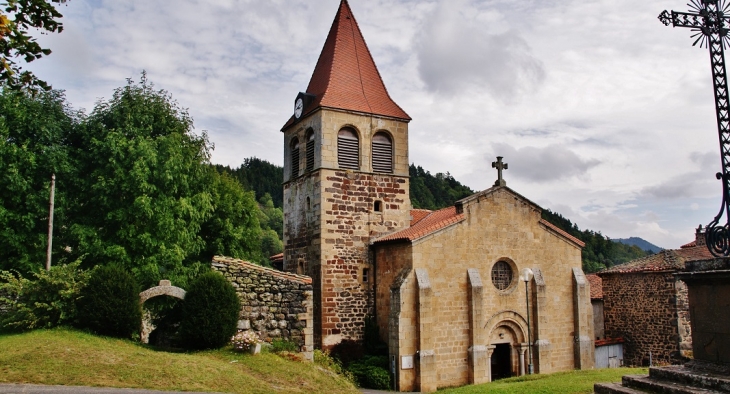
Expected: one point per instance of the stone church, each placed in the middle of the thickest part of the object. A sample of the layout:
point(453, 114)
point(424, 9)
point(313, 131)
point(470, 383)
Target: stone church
point(449, 289)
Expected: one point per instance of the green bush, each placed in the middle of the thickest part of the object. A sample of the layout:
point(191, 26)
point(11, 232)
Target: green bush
point(48, 300)
point(283, 345)
point(210, 312)
point(109, 304)
point(324, 360)
point(371, 372)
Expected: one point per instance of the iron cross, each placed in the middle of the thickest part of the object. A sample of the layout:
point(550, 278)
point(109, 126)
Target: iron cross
point(499, 166)
point(709, 22)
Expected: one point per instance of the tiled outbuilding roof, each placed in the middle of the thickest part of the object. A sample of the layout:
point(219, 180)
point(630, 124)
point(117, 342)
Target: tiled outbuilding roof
point(689, 245)
point(346, 76)
point(596, 286)
point(428, 224)
point(666, 260)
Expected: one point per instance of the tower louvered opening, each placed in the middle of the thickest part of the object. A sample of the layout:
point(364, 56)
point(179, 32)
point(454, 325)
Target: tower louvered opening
point(310, 150)
point(348, 149)
point(294, 158)
point(382, 153)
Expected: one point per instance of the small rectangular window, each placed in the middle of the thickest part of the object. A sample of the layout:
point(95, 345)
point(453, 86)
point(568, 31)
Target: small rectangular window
point(365, 275)
point(378, 206)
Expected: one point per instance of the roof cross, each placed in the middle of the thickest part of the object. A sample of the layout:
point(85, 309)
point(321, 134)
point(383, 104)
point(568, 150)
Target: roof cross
point(710, 23)
point(499, 165)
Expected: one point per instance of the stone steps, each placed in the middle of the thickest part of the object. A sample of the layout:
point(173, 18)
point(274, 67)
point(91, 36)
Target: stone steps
point(614, 388)
point(651, 385)
point(693, 377)
point(668, 380)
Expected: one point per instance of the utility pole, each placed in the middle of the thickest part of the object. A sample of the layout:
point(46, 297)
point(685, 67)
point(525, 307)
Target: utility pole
point(50, 223)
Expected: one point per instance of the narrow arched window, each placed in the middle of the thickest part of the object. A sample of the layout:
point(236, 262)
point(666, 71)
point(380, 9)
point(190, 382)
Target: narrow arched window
point(310, 150)
point(294, 158)
point(348, 149)
point(382, 153)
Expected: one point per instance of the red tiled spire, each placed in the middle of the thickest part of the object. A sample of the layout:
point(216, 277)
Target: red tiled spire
point(346, 76)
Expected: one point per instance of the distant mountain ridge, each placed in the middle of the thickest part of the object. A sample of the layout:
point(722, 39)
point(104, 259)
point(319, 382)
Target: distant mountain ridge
point(640, 242)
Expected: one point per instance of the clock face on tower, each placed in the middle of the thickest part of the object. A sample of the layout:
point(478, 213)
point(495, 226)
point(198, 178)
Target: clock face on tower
point(298, 108)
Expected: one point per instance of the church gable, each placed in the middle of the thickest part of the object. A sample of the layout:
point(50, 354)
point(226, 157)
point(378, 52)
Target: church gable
point(425, 223)
point(517, 205)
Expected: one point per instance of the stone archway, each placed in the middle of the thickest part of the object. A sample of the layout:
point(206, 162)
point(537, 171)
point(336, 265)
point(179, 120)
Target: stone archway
point(164, 288)
point(506, 344)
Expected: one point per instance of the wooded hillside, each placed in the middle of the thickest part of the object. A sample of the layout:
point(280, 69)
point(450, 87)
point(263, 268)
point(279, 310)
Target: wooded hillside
point(438, 191)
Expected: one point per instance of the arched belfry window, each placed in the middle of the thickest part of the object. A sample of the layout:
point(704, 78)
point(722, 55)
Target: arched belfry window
point(382, 153)
point(310, 150)
point(294, 158)
point(348, 149)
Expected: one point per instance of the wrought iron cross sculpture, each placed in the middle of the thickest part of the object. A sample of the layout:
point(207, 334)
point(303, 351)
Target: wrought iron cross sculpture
point(709, 22)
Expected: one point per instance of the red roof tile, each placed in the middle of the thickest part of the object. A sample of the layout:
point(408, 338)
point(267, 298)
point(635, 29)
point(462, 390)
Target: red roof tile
point(429, 224)
point(418, 214)
point(596, 286)
point(345, 76)
point(666, 260)
point(563, 233)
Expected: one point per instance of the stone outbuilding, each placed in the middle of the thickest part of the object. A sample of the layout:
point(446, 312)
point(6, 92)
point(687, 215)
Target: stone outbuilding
point(646, 304)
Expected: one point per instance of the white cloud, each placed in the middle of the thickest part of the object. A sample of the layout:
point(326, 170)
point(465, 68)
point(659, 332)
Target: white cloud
point(551, 163)
point(457, 54)
point(596, 106)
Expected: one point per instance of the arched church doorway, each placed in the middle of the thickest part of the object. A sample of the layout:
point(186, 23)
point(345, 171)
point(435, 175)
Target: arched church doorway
point(507, 341)
point(501, 362)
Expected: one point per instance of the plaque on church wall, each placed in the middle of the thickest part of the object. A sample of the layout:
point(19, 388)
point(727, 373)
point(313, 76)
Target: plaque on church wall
point(406, 362)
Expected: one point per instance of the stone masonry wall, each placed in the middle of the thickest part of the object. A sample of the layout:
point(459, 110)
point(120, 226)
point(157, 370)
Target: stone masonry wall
point(274, 304)
point(348, 226)
point(330, 216)
point(499, 226)
point(643, 309)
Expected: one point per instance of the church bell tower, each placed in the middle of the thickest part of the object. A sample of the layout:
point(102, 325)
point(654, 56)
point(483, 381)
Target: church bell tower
point(345, 180)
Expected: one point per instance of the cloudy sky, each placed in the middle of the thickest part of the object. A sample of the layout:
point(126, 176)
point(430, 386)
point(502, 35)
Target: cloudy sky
point(603, 114)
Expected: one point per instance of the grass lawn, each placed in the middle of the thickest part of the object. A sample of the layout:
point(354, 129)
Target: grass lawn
point(68, 357)
point(557, 383)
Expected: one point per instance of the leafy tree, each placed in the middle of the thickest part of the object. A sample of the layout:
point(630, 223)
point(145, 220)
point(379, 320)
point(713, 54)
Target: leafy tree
point(16, 18)
point(260, 176)
point(271, 217)
point(32, 148)
point(142, 186)
point(233, 229)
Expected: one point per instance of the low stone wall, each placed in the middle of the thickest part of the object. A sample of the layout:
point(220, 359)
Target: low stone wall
point(274, 304)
